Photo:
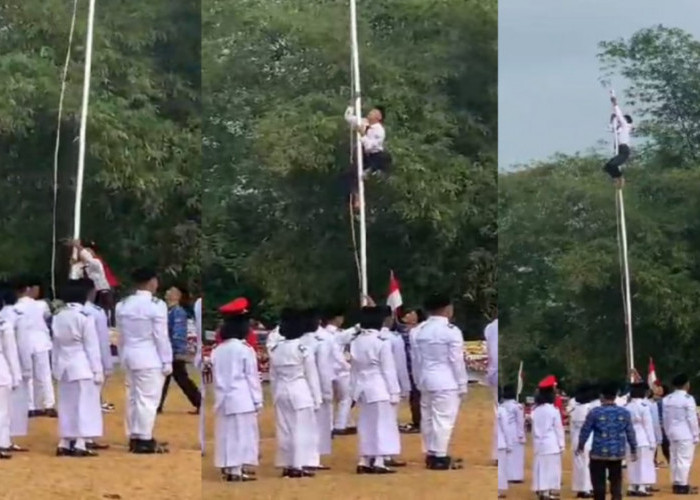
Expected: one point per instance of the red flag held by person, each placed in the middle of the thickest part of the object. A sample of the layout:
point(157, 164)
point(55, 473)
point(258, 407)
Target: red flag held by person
point(394, 299)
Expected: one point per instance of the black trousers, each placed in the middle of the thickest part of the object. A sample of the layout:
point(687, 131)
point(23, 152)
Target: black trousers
point(599, 469)
point(105, 299)
point(375, 162)
point(612, 167)
point(182, 379)
point(414, 401)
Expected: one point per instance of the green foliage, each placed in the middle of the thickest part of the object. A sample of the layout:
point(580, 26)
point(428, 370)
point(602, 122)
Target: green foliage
point(276, 80)
point(559, 268)
point(142, 191)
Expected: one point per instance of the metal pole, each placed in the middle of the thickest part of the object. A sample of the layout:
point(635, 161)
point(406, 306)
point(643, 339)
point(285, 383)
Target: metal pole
point(358, 153)
point(628, 298)
point(83, 122)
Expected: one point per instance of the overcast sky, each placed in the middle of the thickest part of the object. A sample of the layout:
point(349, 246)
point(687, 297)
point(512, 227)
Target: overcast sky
point(549, 96)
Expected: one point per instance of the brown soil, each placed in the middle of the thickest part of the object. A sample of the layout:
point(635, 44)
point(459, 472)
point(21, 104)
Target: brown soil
point(471, 441)
point(116, 474)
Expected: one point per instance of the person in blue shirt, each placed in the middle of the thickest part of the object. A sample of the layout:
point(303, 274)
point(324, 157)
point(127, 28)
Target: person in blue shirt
point(177, 331)
point(611, 426)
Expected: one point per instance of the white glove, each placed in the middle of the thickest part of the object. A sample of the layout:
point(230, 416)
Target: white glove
point(16, 383)
point(99, 378)
point(258, 406)
point(167, 369)
point(394, 399)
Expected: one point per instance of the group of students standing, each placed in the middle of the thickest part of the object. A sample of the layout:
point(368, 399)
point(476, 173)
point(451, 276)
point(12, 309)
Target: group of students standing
point(608, 432)
point(314, 362)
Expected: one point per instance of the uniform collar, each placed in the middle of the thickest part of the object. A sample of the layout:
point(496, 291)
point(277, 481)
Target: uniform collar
point(145, 293)
point(440, 319)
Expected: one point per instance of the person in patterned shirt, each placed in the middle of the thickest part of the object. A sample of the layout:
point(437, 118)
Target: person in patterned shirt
point(611, 426)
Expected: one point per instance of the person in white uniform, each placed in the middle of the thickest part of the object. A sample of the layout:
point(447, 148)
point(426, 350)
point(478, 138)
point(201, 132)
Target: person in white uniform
point(440, 373)
point(334, 319)
point(19, 397)
point(77, 367)
point(491, 337)
point(622, 126)
point(680, 422)
point(641, 473)
point(32, 316)
point(297, 396)
point(199, 364)
point(580, 474)
point(376, 389)
point(515, 427)
point(548, 445)
point(10, 380)
point(146, 355)
point(238, 398)
point(505, 448)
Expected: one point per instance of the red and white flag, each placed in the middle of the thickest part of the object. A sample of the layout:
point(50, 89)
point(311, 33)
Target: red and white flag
point(394, 299)
point(651, 377)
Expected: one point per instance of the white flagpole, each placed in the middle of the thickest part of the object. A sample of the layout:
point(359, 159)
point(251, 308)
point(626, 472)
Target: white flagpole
point(520, 382)
point(358, 153)
point(83, 123)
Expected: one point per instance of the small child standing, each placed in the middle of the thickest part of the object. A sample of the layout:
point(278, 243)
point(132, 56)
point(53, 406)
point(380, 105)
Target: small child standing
point(580, 475)
point(642, 472)
point(548, 444)
point(505, 445)
point(515, 427)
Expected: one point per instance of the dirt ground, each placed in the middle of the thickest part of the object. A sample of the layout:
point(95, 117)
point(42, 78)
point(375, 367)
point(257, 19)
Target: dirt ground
point(116, 474)
point(472, 442)
point(522, 491)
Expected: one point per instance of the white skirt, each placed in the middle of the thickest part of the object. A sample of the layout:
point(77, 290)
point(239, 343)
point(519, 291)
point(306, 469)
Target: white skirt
point(515, 462)
point(581, 474)
point(642, 472)
point(297, 436)
point(79, 409)
point(377, 430)
point(236, 440)
point(546, 472)
point(324, 420)
point(503, 470)
point(19, 411)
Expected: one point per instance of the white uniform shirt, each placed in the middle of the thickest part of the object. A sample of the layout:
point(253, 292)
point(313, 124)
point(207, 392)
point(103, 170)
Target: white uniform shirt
point(237, 386)
point(142, 323)
point(91, 266)
point(437, 357)
point(102, 327)
point(547, 430)
point(198, 329)
point(373, 372)
point(373, 140)
point(577, 417)
point(293, 374)
point(31, 326)
point(340, 365)
point(10, 371)
point(514, 421)
point(680, 417)
point(505, 438)
point(622, 128)
point(76, 348)
point(491, 337)
point(641, 421)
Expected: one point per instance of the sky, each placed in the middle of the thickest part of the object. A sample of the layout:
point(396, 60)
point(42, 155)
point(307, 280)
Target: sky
point(550, 99)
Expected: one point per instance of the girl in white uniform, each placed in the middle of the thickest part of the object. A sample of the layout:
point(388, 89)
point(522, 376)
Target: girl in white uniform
point(548, 444)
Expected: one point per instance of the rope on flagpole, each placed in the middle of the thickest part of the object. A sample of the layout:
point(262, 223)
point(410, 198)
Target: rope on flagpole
point(64, 79)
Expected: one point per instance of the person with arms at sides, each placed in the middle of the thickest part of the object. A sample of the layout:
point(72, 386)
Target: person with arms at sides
point(296, 393)
point(10, 380)
point(548, 441)
point(612, 431)
point(653, 406)
point(505, 448)
point(622, 126)
point(491, 337)
point(680, 421)
point(409, 319)
point(515, 427)
point(77, 367)
point(238, 398)
point(375, 387)
point(641, 473)
point(333, 322)
point(32, 330)
point(440, 373)
point(177, 332)
point(237, 306)
point(580, 474)
point(147, 358)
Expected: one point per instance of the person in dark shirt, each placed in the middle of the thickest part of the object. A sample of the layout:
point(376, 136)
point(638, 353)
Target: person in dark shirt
point(611, 426)
point(410, 318)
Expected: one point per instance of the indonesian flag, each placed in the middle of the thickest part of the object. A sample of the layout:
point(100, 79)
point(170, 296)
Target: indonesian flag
point(651, 377)
point(520, 382)
point(394, 299)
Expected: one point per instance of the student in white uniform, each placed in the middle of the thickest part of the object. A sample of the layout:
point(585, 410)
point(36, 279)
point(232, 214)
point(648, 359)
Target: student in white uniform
point(32, 316)
point(622, 125)
point(440, 373)
point(77, 367)
point(548, 446)
point(375, 387)
point(515, 427)
point(641, 473)
point(296, 393)
point(680, 422)
point(146, 355)
point(10, 380)
point(334, 319)
point(238, 398)
point(491, 337)
point(580, 475)
point(505, 448)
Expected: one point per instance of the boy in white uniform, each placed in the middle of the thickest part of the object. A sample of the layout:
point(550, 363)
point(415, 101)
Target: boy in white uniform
point(548, 445)
point(505, 447)
point(515, 427)
point(642, 472)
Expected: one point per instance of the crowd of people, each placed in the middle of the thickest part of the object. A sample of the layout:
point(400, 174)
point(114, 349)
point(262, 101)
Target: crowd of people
point(315, 364)
point(611, 429)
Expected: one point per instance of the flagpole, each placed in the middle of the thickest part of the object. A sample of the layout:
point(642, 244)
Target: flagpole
point(358, 153)
point(520, 382)
point(83, 123)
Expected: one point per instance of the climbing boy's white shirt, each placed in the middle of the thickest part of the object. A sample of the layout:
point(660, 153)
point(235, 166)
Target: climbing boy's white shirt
point(622, 128)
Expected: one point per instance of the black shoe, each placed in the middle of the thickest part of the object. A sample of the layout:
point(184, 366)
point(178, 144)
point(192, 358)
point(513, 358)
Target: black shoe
point(5, 455)
point(394, 463)
point(239, 478)
point(364, 469)
point(14, 449)
point(344, 432)
point(132, 444)
point(297, 473)
point(409, 429)
point(63, 452)
point(35, 413)
point(51, 413)
point(77, 452)
point(94, 445)
point(317, 468)
point(382, 470)
point(516, 482)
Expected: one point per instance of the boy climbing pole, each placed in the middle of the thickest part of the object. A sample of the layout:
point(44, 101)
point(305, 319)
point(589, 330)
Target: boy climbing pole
point(375, 158)
point(622, 125)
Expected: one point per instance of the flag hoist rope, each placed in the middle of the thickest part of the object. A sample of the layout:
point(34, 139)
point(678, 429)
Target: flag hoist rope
point(358, 152)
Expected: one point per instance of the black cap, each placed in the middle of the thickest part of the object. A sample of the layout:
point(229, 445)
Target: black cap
point(436, 302)
point(680, 380)
point(143, 275)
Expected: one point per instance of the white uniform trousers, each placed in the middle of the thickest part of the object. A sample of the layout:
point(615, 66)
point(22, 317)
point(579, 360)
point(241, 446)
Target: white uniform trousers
point(546, 472)
point(296, 435)
point(19, 409)
point(143, 392)
point(494, 435)
point(682, 454)
point(202, 417)
point(41, 392)
point(377, 430)
point(236, 440)
point(79, 409)
point(341, 388)
point(643, 471)
point(502, 470)
point(580, 473)
point(5, 400)
point(439, 411)
point(324, 422)
point(516, 463)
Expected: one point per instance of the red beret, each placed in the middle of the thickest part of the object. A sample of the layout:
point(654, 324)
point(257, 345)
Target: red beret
point(549, 381)
point(236, 306)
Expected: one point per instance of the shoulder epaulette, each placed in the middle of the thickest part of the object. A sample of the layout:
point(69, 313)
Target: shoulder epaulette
point(302, 348)
point(320, 339)
point(85, 313)
point(18, 311)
